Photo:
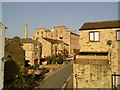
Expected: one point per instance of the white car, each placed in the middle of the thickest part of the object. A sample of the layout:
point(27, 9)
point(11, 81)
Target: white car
point(69, 58)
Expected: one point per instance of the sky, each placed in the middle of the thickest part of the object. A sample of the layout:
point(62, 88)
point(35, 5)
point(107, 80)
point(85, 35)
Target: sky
point(49, 14)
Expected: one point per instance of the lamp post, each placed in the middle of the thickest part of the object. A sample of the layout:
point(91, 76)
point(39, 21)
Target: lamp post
point(76, 77)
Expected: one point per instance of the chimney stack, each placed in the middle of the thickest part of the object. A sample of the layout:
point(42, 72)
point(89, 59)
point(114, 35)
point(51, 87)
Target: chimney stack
point(26, 31)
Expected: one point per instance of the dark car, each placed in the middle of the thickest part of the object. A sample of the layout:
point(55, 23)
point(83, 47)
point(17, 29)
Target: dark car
point(45, 70)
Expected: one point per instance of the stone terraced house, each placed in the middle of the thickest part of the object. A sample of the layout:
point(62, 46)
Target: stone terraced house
point(52, 46)
point(99, 55)
point(33, 50)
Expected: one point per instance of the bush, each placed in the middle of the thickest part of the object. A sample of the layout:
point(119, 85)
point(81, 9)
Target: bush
point(54, 58)
point(58, 58)
point(24, 81)
point(36, 65)
point(49, 60)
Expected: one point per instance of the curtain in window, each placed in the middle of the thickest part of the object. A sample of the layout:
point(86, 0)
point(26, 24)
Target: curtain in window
point(91, 36)
point(96, 34)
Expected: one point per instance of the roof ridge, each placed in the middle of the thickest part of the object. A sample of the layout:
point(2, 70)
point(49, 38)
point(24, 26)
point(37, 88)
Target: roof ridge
point(103, 21)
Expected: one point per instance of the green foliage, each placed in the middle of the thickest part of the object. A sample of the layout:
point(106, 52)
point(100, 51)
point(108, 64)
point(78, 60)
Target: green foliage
point(54, 58)
point(58, 58)
point(49, 60)
point(36, 65)
point(24, 81)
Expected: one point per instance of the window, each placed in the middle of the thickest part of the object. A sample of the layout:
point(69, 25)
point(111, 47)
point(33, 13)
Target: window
point(56, 31)
point(94, 36)
point(37, 32)
point(61, 37)
point(37, 38)
point(61, 31)
point(42, 32)
point(51, 36)
point(118, 35)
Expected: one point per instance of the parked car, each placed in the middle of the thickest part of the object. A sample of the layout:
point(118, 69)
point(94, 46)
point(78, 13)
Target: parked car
point(45, 70)
point(41, 71)
point(69, 59)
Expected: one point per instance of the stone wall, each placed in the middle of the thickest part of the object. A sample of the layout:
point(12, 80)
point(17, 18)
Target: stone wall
point(101, 45)
point(46, 47)
point(2, 38)
point(74, 39)
point(92, 76)
point(32, 51)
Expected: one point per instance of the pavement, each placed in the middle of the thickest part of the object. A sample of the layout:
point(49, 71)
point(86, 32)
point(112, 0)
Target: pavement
point(59, 77)
point(69, 82)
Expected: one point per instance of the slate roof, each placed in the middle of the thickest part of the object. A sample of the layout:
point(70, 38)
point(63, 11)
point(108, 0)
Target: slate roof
point(29, 40)
point(53, 41)
point(101, 25)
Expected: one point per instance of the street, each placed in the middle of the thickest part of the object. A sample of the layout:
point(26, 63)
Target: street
point(58, 79)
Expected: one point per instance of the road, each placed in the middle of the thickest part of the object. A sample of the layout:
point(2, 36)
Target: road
point(57, 79)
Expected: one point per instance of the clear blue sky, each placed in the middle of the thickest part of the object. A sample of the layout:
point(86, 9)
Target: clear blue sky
point(49, 14)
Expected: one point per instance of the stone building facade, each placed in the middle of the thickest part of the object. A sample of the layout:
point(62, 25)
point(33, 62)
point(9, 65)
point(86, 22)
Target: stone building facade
point(52, 46)
point(74, 42)
point(100, 54)
point(17, 54)
point(33, 50)
point(2, 43)
point(59, 33)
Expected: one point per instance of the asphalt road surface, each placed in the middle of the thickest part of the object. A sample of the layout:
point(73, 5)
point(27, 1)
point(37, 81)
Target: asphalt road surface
point(57, 80)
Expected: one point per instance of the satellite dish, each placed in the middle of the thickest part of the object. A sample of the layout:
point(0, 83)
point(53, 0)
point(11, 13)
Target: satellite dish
point(109, 42)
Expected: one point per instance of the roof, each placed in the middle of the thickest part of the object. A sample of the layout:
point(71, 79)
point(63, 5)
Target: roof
point(53, 41)
point(29, 40)
point(59, 26)
point(8, 41)
point(74, 34)
point(101, 25)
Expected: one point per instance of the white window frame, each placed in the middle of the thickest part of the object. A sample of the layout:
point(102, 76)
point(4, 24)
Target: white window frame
point(118, 35)
point(94, 36)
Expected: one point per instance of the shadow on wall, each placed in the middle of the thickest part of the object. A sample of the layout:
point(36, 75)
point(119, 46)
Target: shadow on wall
point(10, 71)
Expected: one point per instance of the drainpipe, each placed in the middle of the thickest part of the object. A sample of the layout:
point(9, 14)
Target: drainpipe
point(76, 77)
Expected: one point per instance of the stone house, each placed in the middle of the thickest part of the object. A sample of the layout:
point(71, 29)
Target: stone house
point(99, 55)
point(32, 49)
point(52, 46)
point(14, 51)
point(16, 55)
point(59, 33)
